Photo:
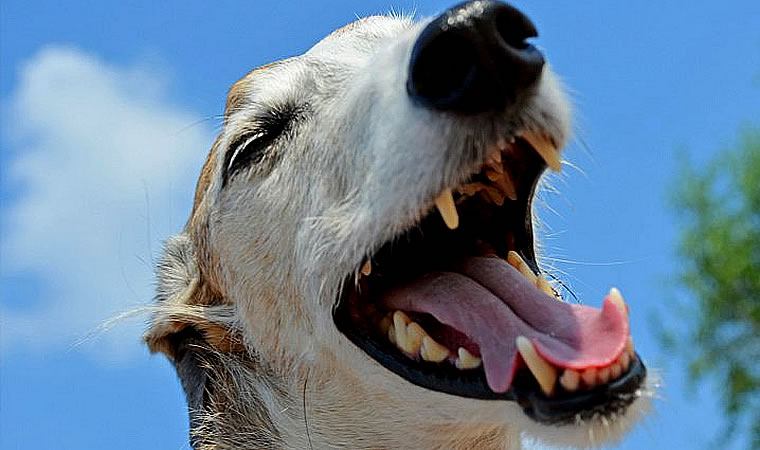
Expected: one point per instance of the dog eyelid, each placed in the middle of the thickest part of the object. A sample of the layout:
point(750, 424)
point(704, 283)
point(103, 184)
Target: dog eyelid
point(248, 141)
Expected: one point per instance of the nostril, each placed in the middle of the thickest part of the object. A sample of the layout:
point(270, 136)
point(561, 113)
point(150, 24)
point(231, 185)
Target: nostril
point(445, 66)
point(514, 30)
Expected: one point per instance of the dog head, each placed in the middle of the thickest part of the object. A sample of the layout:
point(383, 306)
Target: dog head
point(364, 223)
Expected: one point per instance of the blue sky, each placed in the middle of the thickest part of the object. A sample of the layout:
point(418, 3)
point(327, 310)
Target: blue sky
point(109, 108)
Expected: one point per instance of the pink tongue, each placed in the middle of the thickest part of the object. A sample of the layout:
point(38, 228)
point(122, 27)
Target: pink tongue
point(492, 303)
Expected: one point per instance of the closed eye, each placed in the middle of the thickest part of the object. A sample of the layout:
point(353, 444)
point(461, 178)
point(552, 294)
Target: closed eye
point(255, 144)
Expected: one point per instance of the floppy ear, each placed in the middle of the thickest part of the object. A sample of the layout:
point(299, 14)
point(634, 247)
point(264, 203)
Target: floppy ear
point(184, 300)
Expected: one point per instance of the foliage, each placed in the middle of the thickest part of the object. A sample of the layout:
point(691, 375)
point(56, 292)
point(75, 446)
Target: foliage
point(719, 254)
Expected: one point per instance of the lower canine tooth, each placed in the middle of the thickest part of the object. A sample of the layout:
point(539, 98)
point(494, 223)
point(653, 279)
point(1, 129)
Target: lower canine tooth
point(433, 351)
point(570, 380)
point(617, 299)
point(466, 360)
point(516, 261)
point(445, 204)
point(545, 286)
point(545, 373)
point(629, 346)
point(400, 320)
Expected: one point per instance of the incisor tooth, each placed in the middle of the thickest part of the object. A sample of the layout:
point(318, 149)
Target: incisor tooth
point(625, 361)
point(570, 380)
point(589, 376)
point(615, 370)
point(433, 351)
point(514, 259)
point(545, 373)
point(367, 268)
point(545, 148)
point(603, 375)
point(448, 210)
point(466, 360)
point(617, 299)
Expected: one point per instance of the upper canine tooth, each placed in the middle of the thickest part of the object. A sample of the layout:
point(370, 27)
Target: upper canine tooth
point(367, 268)
point(545, 148)
point(433, 351)
point(466, 360)
point(545, 373)
point(445, 204)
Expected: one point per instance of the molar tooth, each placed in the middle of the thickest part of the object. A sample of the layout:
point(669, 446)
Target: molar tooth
point(433, 351)
point(514, 259)
point(617, 299)
point(466, 360)
point(589, 376)
point(367, 268)
point(544, 147)
point(570, 380)
point(448, 210)
point(414, 336)
point(545, 373)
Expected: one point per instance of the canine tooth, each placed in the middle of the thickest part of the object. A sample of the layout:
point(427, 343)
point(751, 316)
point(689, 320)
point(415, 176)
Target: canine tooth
point(570, 380)
point(603, 375)
point(494, 195)
point(516, 261)
point(448, 210)
point(617, 299)
point(433, 351)
point(367, 268)
point(629, 346)
point(509, 184)
point(545, 148)
point(625, 361)
point(615, 371)
point(492, 174)
point(589, 377)
point(545, 286)
point(466, 360)
point(545, 373)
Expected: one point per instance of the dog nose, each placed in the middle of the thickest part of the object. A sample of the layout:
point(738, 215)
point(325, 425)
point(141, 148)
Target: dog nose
point(474, 58)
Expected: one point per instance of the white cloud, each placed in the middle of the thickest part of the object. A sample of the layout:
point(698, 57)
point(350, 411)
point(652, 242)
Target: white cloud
point(105, 166)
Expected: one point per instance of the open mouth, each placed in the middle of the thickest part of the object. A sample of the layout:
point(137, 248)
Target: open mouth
point(458, 304)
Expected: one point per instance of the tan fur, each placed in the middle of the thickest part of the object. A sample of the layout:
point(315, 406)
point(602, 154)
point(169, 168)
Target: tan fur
point(246, 291)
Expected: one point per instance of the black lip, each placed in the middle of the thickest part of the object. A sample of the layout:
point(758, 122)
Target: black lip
point(563, 408)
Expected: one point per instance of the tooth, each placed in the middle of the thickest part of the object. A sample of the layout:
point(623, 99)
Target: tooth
point(545, 148)
point(570, 380)
point(433, 351)
point(414, 336)
point(506, 186)
point(545, 373)
point(367, 268)
point(494, 195)
point(603, 375)
point(400, 320)
point(385, 324)
point(492, 174)
point(466, 360)
point(514, 259)
point(445, 204)
point(617, 299)
point(589, 376)
point(625, 361)
point(392, 333)
point(615, 371)
point(629, 346)
point(545, 286)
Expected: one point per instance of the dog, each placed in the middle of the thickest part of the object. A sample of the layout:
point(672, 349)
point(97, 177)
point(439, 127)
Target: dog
point(359, 269)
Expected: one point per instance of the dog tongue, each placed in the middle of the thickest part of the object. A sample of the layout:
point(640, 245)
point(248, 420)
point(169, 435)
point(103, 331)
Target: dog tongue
point(492, 303)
